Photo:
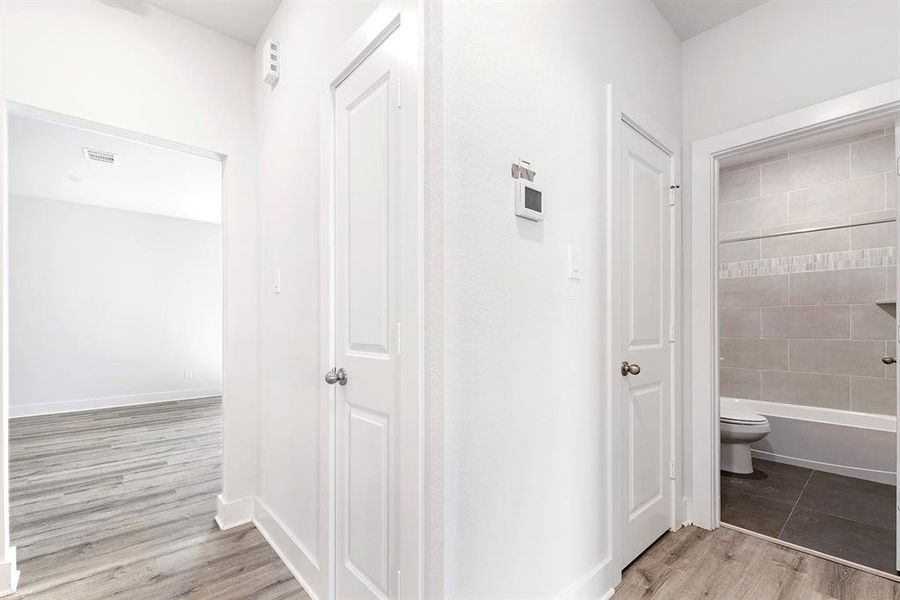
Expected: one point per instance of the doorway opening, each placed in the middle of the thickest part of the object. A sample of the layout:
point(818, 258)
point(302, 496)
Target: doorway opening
point(811, 134)
point(807, 330)
point(115, 325)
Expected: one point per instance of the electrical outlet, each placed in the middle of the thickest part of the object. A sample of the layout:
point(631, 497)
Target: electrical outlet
point(188, 373)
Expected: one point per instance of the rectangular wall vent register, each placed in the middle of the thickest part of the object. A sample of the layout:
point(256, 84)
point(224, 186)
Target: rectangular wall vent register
point(109, 158)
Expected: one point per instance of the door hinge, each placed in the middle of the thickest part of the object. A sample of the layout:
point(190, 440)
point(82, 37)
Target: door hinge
point(673, 192)
point(671, 333)
point(672, 469)
point(397, 337)
point(898, 165)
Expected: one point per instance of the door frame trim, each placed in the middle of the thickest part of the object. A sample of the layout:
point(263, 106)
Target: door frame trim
point(879, 100)
point(621, 109)
point(385, 20)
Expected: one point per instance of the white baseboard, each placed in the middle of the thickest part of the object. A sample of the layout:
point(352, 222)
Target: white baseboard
point(289, 549)
point(599, 582)
point(9, 574)
point(231, 513)
point(64, 406)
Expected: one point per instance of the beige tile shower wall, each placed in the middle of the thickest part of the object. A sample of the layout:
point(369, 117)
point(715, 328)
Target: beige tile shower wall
point(813, 338)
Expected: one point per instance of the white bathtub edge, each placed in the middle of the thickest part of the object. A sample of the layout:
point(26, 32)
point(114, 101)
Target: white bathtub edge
point(830, 416)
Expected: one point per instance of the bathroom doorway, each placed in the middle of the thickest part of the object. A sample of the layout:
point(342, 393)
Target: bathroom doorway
point(793, 288)
point(807, 242)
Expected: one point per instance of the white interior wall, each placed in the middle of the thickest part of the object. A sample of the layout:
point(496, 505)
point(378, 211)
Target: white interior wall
point(777, 57)
point(110, 307)
point(291, 406)
point(520, 413)
point(783, 55)
point(139, 68)
point(525, 387)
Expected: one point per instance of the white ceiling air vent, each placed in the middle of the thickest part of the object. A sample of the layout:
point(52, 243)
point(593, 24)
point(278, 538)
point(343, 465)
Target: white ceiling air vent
point(107, 158)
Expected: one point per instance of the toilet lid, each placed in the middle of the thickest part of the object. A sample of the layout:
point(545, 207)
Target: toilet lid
point(729, 415)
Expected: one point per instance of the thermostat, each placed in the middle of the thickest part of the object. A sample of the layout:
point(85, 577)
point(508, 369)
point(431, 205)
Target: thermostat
point(529, 200)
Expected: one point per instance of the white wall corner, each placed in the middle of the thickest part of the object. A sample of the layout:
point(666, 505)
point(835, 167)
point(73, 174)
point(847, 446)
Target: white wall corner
point(231, 513)
point(9, 574)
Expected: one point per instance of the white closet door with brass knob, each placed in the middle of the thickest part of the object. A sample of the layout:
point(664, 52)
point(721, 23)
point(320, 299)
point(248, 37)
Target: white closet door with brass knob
point(644, 216)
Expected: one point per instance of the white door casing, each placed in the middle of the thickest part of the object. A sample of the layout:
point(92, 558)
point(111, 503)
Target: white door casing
point(376, 322)
point(896, 174)
point(644, 218)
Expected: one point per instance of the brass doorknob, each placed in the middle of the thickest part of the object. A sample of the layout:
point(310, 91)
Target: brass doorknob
point(630, 369)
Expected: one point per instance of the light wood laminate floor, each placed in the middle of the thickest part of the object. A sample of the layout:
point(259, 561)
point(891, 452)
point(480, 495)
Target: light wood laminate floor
point(119, 503)
point(724, 564)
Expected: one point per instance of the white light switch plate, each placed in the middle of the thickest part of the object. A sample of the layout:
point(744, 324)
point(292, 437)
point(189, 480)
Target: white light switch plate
point(574, 262)
point(276, 280)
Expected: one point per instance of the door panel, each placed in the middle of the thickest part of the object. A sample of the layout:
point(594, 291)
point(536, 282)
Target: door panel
point(645, 447)
point(368, 496)
point(645, 255)
point(368, 173)
point(366, 178)
point(646, 219)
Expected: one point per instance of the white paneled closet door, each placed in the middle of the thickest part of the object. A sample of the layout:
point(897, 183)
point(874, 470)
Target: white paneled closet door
point(645, 370)
point(368, 289)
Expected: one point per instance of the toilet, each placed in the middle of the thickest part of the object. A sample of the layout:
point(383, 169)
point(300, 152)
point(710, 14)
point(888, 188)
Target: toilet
point(738, 429)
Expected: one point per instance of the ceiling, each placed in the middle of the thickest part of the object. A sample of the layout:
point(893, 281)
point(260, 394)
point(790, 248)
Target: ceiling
point(243, 20)
point(46, 160)
point(246, 20)
point(690, 17)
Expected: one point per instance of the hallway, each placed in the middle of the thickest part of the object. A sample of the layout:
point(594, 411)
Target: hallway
point(120, 502)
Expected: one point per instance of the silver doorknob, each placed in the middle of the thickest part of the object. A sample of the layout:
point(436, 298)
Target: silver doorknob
point(888, 360)
point(336, 376)
point(630, 369)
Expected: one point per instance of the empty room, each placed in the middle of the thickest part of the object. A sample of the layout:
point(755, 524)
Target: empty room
point(115, 346)
point(465, 299)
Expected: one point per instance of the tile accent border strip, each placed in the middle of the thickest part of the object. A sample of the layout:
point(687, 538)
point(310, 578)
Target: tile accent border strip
point(809, 263)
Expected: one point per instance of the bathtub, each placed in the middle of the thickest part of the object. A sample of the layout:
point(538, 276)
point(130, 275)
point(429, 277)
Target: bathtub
point(848, 443)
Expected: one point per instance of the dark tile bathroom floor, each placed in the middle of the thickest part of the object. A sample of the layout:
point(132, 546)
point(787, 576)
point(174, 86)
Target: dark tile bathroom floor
point(850, 518)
